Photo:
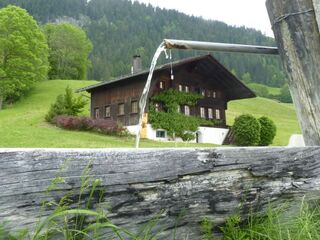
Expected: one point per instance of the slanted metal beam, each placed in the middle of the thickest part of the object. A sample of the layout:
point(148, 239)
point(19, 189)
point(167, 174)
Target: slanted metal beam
point(221, 47)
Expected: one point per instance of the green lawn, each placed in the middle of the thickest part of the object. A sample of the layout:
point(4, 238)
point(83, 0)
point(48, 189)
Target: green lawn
point(23, 125)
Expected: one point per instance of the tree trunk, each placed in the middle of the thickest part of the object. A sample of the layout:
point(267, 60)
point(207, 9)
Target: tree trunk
point(297, 34)
point(140, 183)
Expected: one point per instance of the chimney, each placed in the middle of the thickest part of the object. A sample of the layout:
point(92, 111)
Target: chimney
point(137, 64)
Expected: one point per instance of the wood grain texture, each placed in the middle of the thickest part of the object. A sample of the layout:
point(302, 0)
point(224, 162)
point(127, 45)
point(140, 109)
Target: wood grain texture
point(316, 5)
point(296, 31)
point(141, 183)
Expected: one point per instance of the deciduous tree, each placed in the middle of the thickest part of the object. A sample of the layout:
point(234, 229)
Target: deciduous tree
point(69, 51)
point(23, 53)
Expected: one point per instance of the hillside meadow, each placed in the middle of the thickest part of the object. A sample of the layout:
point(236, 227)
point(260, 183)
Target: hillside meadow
point(23, 124)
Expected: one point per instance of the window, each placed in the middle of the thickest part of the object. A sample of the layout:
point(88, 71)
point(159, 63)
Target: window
point(218, 116)
point(180, 88)
point(108, 111)
point(162, 85)
point(187, 89)
point(134, 107)
point(214, 94)
point(203, 92)
point(121, 109)
point(186, 110)
point(96, 112)
point(157, 107)
point(160, 134)
point(209, 93)
point(202, 112)
point(210, 113)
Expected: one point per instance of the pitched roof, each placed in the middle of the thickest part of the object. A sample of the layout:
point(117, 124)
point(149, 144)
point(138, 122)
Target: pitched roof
point(206, 65)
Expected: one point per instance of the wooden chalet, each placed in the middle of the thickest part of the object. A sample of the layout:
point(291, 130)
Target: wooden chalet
point(118, 99)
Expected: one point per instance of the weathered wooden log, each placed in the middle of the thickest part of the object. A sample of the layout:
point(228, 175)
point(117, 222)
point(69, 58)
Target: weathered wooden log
point(296, 31)
point(316, 5)
point(140, 183)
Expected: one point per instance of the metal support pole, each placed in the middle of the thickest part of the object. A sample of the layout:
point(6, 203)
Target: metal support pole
point(222, 47)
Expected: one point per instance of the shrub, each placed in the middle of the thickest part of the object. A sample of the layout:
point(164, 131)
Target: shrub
point(268, 131)
point(108, 127)
point(246, 130)
point(66, 104)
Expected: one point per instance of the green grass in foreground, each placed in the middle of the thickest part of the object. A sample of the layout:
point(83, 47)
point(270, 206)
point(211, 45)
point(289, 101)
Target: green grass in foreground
point(279, 223)
point(23, 125)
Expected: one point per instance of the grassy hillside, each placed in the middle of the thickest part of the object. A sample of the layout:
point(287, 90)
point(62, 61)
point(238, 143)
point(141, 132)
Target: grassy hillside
point(271, 90)
point(283, 114)
point(23, 124)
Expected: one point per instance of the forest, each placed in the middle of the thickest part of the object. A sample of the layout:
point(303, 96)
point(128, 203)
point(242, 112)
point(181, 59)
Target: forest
point(120, 29)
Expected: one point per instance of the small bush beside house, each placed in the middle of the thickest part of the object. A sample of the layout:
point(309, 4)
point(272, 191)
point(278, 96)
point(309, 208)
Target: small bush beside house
point(103, 126)
point(66, 104)
point(63, 113)
point(246, 130)
point(267, 132)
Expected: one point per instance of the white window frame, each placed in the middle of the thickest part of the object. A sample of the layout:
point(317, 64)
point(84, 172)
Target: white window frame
point(107, 113)
point(162, 85)
point(214, 94)
point(218, 114)
point(162, 131)
point(180, 88)
point(186, 110)
point(96, 112)
point(134, 107)
point(202, 112)
point(187, 89)
point(210, 113)
point(157, 107)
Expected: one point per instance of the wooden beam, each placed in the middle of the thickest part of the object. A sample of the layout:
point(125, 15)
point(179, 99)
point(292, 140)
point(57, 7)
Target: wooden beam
point(296, 31)
point(140, 183)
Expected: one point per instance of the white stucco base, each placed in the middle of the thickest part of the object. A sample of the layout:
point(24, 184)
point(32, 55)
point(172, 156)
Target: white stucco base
point(212, 135)
point(204, 134)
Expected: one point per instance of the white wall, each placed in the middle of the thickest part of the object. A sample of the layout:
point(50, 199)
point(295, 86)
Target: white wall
point(205, 134)
point(212, 135)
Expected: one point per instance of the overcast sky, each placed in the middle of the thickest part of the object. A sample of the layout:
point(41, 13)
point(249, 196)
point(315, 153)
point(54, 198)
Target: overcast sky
point(249, 13)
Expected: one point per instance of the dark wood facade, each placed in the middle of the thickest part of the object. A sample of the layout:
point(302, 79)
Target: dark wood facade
point(118, 99)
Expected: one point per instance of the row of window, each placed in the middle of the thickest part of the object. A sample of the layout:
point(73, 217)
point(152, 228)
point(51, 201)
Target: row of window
point(204, 112)
point(185, 88)
point(107, 112)
point(208, 113)
point(203, 92)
